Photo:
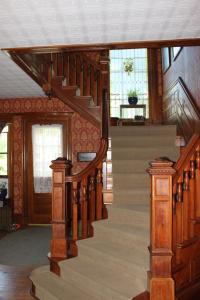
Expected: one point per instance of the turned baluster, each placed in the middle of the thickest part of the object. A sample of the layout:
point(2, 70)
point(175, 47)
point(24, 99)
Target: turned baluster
point(71, 70)
point(192, 196)
point(88, 80)
point(186, 205)
point(74, 217)
point(81, 77)
point(59, 64)
point(92, 83)
point(198, 158)
point(78, 70)
point(92, 198)
point(99, 197)
point(84, 208)
point(197, 183)
point(179, 211)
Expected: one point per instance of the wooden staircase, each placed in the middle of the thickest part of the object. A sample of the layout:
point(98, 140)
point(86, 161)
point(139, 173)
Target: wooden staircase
point(79, 79)
point(113, 264)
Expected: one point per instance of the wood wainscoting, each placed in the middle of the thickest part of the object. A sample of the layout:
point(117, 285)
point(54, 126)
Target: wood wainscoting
point(179, 108)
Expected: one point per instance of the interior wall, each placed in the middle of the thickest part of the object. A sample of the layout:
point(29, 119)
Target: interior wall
point(186, 66)
point(85, 137)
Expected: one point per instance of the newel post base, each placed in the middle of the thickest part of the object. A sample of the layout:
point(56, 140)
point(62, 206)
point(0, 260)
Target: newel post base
point(59, 242)
point(161, 283)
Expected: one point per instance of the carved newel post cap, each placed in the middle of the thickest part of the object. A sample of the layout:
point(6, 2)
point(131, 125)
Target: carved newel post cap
point(61, 162)
point(161, 165)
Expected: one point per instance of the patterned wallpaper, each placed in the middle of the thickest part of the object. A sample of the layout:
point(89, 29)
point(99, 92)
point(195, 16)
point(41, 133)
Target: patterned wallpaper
point(17, 164)
point(85, 136)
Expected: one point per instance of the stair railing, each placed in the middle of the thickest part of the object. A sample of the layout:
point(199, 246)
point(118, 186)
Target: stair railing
point(175, 224)
point(77, 200)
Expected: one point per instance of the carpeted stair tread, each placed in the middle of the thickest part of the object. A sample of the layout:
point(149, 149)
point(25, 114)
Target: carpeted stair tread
point(131, 253)
point(142, 153)
point(142, 130)
point(140, 141)
point(107, 274)
point(129, 166)
point(130, 181)
point(52, 287)
point(110, 259)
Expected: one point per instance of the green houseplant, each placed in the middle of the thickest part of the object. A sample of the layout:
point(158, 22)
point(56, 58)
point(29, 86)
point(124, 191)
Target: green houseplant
point(132, 96)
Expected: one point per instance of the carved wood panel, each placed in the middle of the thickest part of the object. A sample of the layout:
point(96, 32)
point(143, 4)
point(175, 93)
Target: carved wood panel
point(179, 108)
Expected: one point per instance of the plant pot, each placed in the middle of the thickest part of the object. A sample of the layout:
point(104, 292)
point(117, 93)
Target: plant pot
point(3, 194)
point(132, 100)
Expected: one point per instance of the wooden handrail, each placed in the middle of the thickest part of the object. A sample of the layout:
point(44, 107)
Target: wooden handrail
point(185, 155)
point(93, 164)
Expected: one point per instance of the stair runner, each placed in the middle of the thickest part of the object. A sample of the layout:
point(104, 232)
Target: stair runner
point(114, 263)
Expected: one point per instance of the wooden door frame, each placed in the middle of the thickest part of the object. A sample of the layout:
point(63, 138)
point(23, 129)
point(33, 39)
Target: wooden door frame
point(43, 118)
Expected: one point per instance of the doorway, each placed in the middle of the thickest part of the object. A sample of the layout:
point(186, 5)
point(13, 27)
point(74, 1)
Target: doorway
point(45, 141)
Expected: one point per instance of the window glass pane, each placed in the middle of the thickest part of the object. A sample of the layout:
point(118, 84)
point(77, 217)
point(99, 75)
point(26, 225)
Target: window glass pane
point(47, 145)
point(3, 142)
point(122, 81)
point(3, 164)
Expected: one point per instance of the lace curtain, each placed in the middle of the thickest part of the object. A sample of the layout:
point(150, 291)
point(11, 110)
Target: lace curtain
point(47, 143)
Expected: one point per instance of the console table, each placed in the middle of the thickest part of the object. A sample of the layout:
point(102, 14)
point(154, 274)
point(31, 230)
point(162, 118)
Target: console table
point(143, 106)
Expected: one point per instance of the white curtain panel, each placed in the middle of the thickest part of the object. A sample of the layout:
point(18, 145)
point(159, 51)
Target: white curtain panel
point(47, 143)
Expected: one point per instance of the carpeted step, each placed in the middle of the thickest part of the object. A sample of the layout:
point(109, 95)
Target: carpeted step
point(124, 215)
point(143, 153)
point(52, 287)
point(131, 181)
point(143, 130)
point(95, 271)
point(134, 196)
point(129, 166)
point(141, 141)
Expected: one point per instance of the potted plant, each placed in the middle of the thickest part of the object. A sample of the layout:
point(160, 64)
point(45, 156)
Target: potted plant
point(132, 97)
point(128, 65)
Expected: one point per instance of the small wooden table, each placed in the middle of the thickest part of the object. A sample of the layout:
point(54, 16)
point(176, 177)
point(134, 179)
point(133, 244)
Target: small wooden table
point(143, 106)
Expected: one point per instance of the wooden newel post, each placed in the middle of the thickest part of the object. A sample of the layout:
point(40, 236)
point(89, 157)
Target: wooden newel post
point(59, 243)
point(161, 282)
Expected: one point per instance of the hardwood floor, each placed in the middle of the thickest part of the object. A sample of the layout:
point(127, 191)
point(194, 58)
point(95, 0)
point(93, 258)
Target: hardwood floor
point(14, 283)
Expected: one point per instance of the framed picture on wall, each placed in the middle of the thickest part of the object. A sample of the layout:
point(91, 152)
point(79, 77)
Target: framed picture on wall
point(86, 156)
point(166, 59)
point(175, 52)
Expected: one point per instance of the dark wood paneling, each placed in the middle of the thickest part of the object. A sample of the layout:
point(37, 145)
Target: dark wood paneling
point(155, 99)
point(179, 108)
point(186, 66)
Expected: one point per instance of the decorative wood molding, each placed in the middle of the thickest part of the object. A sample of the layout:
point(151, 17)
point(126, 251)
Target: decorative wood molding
point(106, 46)
point(179, 108)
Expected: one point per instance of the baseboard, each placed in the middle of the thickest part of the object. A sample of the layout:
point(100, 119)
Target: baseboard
point(20, 219)
point(143, 296)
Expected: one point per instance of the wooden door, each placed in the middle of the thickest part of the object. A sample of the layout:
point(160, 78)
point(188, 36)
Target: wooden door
point(39, 199)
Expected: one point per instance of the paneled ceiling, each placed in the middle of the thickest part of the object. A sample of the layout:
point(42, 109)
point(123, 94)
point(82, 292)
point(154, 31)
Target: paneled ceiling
point(63, 22)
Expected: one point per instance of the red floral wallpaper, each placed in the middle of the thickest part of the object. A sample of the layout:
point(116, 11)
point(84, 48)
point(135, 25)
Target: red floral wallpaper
point(17, 164)
point(85, 136)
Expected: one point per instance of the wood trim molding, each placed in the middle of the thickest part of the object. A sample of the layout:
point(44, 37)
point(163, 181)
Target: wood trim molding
point(106, 46)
